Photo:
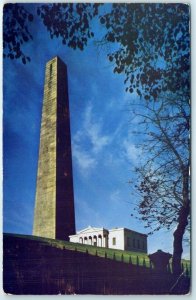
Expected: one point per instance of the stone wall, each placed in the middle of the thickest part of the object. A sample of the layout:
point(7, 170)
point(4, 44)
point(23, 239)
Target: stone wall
point(30, 267)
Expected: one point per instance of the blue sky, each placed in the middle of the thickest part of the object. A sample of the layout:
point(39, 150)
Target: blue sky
point(103, 145)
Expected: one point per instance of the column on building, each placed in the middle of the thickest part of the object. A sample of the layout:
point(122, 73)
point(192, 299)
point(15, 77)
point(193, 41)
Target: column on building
point(95, 240)
point(90, 240)
point(100, 240)
point(105, 240)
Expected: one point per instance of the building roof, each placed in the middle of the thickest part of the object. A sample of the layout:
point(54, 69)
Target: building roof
point(90, 229)
point(126, 229)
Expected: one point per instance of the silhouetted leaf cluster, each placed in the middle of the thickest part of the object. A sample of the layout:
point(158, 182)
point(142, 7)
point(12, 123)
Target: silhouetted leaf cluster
point(69, 21)
point(152, 40)
point(154, 46)
point(15, 22)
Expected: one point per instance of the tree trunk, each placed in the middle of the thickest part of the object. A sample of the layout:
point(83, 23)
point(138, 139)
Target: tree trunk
point(178, 236)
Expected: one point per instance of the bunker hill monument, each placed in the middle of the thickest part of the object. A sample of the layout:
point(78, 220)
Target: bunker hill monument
point(54, 206)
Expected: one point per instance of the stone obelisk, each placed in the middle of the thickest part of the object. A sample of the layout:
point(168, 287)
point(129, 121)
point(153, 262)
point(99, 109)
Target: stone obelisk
point(54, 215)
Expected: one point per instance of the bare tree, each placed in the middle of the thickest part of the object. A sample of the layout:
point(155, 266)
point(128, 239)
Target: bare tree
point(163, 174)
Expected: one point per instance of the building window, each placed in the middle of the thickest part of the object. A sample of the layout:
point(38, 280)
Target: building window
point(113, 241)
point(128, 241)
point(138, 244)
point(143, 245)
point(133, 243)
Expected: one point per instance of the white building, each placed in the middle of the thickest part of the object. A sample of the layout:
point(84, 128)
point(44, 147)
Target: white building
point(127, 239)
point(91, 236)
point(117, 238)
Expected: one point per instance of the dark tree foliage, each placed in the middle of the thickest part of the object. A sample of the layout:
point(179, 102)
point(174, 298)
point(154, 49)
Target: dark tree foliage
point(69, 21)
point(15, 22)
point(154, 43)
point(153, 39)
